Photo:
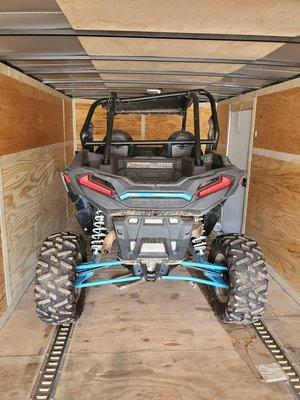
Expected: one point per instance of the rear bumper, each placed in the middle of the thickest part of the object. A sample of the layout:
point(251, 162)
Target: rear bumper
point(164, 238)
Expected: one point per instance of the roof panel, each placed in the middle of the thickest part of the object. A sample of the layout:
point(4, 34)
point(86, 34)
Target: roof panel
point(60, 77)
point(164, 66)
point(37, 44)
point(33, 21)
point(157, 77)
point(176, 48)
point(29, 5)
point(223, 66)
point(267, 17)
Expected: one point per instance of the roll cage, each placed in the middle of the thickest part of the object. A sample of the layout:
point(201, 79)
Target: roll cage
point(169, 103)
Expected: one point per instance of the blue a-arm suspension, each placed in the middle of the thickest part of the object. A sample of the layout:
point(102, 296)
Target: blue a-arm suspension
point(98, 265)
point(214, 273)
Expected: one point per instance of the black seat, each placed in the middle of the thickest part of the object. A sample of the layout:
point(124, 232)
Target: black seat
point(180, 150)
point(120, 150)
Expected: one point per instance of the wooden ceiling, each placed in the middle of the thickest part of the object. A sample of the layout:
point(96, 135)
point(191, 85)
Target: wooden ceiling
point(257, 17)
point(132, 45)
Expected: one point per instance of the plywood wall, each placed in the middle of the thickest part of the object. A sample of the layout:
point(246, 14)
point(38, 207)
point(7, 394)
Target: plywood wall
point(155, 127)
point(223, 117)
point(160, 127)
point(36, 139)
point(34, 204)
point(277, 123)
point(273, 212)
point(128, 123)
point(29, 117)
point(3, 303)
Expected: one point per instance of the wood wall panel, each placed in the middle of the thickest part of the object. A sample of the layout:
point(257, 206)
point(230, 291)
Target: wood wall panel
point(277, 123)
point(127, 123)
point(29, 117)
point(35, 206)
point(3, 304)
point(34, 123)
point(223, 117)
point(69, 149)
point(273, 214)
point(68, 120)
point(273, 204)
point(157, 127)
point(160, 127)
point(130, 124)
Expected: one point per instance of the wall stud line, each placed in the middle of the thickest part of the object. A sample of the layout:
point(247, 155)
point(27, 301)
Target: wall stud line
point(251, 139)
point(6, 265)
point(143, 127)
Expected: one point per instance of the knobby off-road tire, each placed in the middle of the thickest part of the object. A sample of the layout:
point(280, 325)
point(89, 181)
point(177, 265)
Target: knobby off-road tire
point(245, 300)
point(57, 301)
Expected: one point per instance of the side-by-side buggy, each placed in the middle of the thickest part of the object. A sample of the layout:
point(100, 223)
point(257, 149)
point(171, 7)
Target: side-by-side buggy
point(159, 201)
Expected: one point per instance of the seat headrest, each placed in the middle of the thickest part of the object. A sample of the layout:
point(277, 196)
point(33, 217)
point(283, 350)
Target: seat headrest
point(181, 150)
point(182, 135)
point(121, 150)
point(121, 136)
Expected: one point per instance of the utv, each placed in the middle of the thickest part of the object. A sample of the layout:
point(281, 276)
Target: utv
point(159, 200)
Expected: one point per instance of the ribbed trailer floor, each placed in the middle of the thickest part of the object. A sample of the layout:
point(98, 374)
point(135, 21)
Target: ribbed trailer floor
point(149, 341)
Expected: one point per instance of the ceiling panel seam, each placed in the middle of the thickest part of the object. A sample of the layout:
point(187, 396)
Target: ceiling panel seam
point(150, 35)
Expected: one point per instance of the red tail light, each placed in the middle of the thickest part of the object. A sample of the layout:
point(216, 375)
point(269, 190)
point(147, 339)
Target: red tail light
point(85, 180)
point(220, 184)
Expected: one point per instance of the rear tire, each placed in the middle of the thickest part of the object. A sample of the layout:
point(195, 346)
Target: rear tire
point(245, 300)
point(57, 301)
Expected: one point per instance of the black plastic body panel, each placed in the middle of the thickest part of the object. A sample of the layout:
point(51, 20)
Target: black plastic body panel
point(164, 238)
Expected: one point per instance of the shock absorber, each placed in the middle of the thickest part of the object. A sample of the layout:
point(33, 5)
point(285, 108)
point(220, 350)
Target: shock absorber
point(199, 241)
point(98, 234)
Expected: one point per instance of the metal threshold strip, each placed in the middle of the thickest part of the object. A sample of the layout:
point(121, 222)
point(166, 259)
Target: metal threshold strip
point(150, 35)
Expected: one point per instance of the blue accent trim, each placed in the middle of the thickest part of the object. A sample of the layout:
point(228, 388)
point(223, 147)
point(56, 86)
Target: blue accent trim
point(107, 281)
point(196, 280)
point(204, 265)
point(96, 265)
point(156, 195)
